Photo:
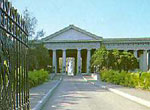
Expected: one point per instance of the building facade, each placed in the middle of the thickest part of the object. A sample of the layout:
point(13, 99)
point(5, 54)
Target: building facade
point(80, 44)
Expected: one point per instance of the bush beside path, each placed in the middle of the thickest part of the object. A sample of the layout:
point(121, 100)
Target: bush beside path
point(37, 77)
point(129, 79)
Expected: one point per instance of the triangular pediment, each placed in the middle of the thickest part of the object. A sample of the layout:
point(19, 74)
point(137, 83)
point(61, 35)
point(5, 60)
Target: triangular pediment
point(72, 33)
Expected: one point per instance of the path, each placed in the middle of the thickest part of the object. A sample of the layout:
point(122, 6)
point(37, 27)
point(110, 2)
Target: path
point(76, 94)
point(37, 93)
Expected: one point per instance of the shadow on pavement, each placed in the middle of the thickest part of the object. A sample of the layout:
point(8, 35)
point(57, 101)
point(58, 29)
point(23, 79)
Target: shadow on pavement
point(72, 92)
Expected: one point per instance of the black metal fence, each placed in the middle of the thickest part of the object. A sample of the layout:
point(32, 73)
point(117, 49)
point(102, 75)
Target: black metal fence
point(14, 92)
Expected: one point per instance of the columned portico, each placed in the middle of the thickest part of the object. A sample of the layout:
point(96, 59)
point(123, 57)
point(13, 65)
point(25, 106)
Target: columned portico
point(71, 41)
point(76, 39)
point(64, 62)
point(88, 60)
point(54, 62)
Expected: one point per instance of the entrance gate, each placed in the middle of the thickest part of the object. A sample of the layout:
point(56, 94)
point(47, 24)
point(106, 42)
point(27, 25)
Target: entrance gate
point(14, 90)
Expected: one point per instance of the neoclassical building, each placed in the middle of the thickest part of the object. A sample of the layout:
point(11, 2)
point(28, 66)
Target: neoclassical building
point(79, 44)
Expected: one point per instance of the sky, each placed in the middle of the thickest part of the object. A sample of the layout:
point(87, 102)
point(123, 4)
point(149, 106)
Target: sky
point(106, 18)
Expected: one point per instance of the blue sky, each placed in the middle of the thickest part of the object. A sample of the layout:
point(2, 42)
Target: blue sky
point(106, 18)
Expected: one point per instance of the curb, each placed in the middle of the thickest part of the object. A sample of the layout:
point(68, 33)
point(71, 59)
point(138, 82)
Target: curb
point(125, 95)
point(130, 97)
point(41, 103)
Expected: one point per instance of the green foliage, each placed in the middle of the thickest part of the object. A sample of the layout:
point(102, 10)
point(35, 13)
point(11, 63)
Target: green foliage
point(145, 80)
point(114, 59)
point(37, 77)
point(126, 79)
point(100, 57)
point(38, 57)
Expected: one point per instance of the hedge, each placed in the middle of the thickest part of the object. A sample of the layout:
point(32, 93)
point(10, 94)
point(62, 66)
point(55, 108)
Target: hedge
point(135, 80)
point(37, 77)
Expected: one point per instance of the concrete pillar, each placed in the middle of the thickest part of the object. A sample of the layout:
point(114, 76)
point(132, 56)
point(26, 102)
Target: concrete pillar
point(79, 61)
point(88, 60)
point(141, 62)
point(54, 62)
point(64, 62)
point(145, 60)
point(148, 59)
point(136, 53)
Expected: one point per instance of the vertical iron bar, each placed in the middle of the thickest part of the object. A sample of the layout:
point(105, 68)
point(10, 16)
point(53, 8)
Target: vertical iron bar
point(14, 89)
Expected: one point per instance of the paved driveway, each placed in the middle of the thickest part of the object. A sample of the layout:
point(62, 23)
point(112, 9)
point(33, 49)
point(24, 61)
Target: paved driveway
point(76, 94)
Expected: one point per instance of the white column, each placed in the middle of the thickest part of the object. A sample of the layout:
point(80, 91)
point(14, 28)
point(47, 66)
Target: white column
point(88, 60)
point(79, 61)
point(54, 62)
point(141, 62)
point(136, 53)
point(145, 60)
point(148, 59)
point(64, 62)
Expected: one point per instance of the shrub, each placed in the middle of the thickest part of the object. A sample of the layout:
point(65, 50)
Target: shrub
point(37, 77)
point(136, 80)
point(145, 80)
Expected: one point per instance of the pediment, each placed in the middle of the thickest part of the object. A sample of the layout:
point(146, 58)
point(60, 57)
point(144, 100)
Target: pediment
point(72, 33)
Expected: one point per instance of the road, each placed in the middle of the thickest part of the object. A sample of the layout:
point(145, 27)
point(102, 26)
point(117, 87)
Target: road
point(76, 94)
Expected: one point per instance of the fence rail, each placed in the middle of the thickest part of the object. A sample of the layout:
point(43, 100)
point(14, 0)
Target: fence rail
point(14, 90)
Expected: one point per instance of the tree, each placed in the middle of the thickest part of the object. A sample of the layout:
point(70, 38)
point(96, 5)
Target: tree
point(100, 58)
point(31, 23)
point(128, 61)
point(39, 34)
point(38, 57)
point(114, 59)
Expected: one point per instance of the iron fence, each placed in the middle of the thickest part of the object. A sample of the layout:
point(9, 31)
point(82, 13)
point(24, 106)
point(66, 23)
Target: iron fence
point(14, 90)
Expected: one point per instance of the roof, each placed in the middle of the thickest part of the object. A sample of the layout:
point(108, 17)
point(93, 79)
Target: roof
point(126, 40)
point(97, 38)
